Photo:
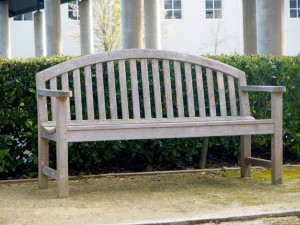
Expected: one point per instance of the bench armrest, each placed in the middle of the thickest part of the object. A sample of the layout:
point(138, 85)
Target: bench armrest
point(54, 93)
point(263, 88)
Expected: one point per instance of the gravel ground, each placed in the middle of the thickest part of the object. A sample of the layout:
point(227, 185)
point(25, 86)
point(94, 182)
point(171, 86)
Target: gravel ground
point(145, 199)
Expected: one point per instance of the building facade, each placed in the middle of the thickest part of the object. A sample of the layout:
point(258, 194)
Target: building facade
point(192, 26)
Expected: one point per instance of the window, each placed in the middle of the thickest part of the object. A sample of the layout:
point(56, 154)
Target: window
point(295, 8)
point(173, 9)
point(23, 17)
point(73, 10)
point(214, 9)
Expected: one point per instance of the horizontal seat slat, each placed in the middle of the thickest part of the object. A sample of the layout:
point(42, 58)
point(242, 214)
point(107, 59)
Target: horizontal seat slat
point(166, 130)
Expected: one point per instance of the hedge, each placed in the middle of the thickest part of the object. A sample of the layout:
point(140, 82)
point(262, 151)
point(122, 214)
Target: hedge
point(18, 122)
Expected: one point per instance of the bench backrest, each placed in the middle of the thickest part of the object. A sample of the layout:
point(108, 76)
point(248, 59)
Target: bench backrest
point(138, 84)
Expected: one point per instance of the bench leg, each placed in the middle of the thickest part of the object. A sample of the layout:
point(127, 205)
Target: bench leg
point(276, 139)
point(245, 152)
point(43, 151)
point(62, 149)
point(203, 155)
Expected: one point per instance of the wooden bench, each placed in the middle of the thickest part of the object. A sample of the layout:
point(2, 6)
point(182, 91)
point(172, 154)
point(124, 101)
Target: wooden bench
point(148, 94)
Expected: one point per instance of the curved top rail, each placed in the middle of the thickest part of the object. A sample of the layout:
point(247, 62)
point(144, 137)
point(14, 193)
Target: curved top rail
point(137, 54)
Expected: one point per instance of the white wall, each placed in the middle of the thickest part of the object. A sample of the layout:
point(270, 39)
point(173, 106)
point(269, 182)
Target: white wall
point(292, 27)
point(70, 33)
point(22, 36)
point(197, 35)
point(193, 33)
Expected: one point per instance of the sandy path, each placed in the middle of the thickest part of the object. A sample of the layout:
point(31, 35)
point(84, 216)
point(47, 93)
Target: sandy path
point(146, 198)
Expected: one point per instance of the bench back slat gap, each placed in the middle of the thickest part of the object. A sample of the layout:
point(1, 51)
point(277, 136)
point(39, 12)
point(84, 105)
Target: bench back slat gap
point(189, 89)
point(135, 90)
point(157, 92)
point(146, 92)
point(232, 97)
point(123, 89)
point(200, 91)
point(221, 90)
point(77, 94)
point(100, 91)
point(211, 93)
point(168, 89)
point(89, 92)
point(178, 84)
point(112, 90)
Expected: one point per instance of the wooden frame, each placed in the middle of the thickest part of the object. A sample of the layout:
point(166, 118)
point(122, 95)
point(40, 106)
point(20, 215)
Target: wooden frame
point(204, 112)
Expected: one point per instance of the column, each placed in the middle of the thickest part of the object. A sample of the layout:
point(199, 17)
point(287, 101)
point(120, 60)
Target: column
point(131, 11)
point(53, 27)
point(249, 22)
point(270, 27)
point(86, 27)
point(39, 42)
point(152, 24)
point(4, 31)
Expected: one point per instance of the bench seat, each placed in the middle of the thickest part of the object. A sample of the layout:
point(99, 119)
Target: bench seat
point(105, 130)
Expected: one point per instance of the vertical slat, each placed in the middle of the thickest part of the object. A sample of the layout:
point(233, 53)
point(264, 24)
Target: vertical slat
point(53, 86)
point(211, 93)
point(168, 90)
point(221, 91)
point(200, 91)
point(178, 84)
point(189, 89)
point(157, 92)
point(100, 91)
point(146, 93)
point(65, 86)
point(232, 98)
point(89, 92)
point(77, 94)
point(112, 90)
point(135, 90)
point(123, 89)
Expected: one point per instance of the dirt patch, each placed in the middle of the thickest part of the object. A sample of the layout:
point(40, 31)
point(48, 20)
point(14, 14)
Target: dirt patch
point(140, 199)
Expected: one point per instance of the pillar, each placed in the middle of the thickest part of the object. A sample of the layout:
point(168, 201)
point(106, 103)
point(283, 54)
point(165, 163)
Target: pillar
point(270, 27)
point(249, 27)
point(152, 24)
point(53, 27)
point(4, 31)
point(39, 42)
point(86, 27)
point(131, 11)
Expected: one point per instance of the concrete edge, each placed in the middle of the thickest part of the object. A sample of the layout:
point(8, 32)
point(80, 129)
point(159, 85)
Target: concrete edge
point(248, 217)
point(33, 180)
